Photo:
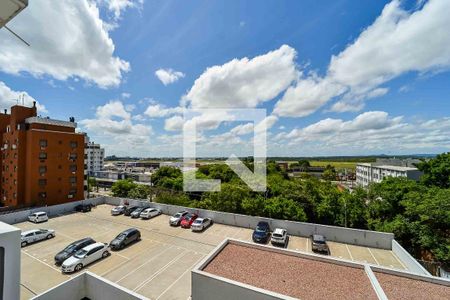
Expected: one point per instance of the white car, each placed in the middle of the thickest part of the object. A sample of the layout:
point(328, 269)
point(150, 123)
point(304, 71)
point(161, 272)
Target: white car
point(201, 224)
point(118, 210)
point(84, 257)
point(279, 237)
point(31, 236)
point(150, 213)
point(38, 217)
point(175, 220)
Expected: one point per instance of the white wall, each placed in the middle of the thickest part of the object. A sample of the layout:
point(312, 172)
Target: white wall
point(91, 286)
point(10, 241)
point(411, 263)
point(360, 237)
point(54, 210)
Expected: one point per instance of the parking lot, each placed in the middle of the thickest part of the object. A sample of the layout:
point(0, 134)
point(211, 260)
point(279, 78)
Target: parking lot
point(158, 266)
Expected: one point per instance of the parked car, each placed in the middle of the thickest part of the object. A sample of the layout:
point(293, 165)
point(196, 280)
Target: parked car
point(118, 210)
point(137, 212)
point(35, 235)
point(38, 217)
point(279, 237)
point(150, 213)
point(319, 244)
point(129, 210)
point(175, 220)
point(187, 220)
point(71, 249)
point(83, 208)
point(84, 257)
point(261, 233)
point(201, 224)
point(125, 238)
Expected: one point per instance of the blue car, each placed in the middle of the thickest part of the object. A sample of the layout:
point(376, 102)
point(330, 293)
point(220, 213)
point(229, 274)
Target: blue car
point(262, 233)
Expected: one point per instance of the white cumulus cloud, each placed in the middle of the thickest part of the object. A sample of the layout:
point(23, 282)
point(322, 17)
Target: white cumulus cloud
point(68, 40)
point(243, 83)
point(398, 42)
point(168, 76)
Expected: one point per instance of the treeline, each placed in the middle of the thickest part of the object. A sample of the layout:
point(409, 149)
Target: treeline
point(418, 213)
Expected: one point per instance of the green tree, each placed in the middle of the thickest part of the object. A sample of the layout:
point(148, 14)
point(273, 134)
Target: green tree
point(140, 191)
point(436, 171)
point(92, 182)
point(173, 198)
point(329, 173)
point(121, 188)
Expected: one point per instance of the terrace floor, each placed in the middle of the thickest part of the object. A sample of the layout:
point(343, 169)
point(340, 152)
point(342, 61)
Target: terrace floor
point(158, 266)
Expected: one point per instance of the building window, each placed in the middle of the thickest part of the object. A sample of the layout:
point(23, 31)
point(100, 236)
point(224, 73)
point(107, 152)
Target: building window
point(42, 170)
point(42, 182)
point(73, 179)
point(43, 143)
point(73, 168)
point(43, 195)
point(72, 156)
point(42, 155)
point(73, 144)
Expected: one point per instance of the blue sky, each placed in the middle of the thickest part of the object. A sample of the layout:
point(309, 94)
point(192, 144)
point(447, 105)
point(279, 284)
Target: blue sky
point(335, 78)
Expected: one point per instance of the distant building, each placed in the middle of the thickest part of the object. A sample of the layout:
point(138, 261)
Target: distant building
point(42, 159)
point(367, 173)
point(94, 156)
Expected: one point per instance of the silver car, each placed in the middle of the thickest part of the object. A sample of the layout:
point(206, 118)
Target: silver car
point(201, 224)
point(118, 210)
point(84, 257)
point(35, 235)
point(175, 220)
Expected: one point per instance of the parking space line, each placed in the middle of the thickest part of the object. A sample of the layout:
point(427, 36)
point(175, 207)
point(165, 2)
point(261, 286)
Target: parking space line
point(142, 284)
point(123, 256)
point(50, 266)
point(141, 266)
point(373, 257)
point(173, 283)
point(351, 256)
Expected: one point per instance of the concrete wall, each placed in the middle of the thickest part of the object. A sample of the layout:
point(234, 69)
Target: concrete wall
point(10, 242)
point(333, 233)
point(91, 286)
point(409, 261)
point(206, 285)
point(52, 211)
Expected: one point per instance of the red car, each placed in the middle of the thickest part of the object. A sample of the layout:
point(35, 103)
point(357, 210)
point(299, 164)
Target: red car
point(187, 220)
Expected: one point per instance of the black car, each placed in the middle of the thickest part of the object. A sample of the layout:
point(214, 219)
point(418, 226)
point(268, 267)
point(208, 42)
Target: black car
point(83, 207)
point(262, 232)
point(129, 210)
point(137, 212)
point(71, 249)
point(319, 244)
point(125, 238)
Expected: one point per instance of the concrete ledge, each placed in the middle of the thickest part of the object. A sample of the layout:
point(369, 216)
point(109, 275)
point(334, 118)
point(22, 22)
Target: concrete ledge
point(91, 286)
point(352, 236)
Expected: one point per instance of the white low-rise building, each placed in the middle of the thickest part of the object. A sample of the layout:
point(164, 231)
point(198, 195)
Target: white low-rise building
point(367, 173)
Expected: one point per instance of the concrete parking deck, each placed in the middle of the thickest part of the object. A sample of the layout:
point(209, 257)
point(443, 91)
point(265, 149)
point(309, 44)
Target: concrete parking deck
point(158, 266)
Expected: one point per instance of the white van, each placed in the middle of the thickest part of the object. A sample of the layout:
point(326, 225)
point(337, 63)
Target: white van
point(38, 217)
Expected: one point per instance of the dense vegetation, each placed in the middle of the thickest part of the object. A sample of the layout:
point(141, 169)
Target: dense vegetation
point(418, 213)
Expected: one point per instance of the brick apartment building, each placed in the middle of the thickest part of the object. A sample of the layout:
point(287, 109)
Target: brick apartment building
point(42, 160)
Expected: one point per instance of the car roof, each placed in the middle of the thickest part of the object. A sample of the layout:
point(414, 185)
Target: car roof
point(30, 231)
point(279, 231)
point(129, 230)
point(82, 240)
point(263, 223)
point(318, 237)
point(200, 219)
point(39, 213)
point(92, 246)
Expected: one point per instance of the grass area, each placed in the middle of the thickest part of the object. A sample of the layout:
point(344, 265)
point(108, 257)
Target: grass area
point(336, 164)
